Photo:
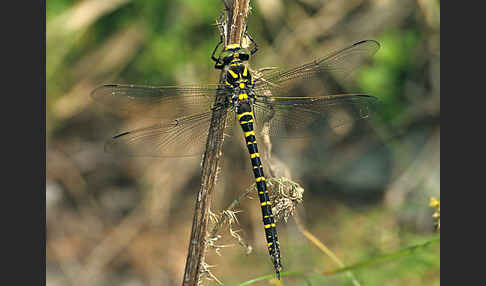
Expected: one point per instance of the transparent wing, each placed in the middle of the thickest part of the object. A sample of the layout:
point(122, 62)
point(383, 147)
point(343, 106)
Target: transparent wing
point(165, 102)
point(293, 117)
point(339, 65)
point(177, 138)
point(291, 101)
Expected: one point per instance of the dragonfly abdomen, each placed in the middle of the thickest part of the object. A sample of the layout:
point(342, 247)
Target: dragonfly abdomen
point(246, 119)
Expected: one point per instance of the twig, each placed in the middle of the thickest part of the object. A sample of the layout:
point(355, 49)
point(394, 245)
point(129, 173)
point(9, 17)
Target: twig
point(225, 215)
point(212, 156)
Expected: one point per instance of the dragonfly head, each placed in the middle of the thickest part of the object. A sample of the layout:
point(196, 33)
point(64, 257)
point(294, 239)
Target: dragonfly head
point(234, 53)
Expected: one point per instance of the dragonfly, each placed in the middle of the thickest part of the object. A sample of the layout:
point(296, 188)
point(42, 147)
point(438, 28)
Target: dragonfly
point(277, 102)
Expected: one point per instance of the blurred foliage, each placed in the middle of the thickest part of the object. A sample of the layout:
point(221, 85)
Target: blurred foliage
point(126, 221)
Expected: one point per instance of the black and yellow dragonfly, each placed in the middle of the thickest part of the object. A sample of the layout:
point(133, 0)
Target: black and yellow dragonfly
point(274, 102)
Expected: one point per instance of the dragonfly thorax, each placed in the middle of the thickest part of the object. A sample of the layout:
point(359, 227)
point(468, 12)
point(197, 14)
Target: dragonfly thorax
point(238, 81)
point(237, 73)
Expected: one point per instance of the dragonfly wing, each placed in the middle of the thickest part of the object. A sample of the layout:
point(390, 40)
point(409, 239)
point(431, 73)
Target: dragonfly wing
point(282, 100)
point(166, 102)
point(339, 65)
point(294, 117)
point(177, 138)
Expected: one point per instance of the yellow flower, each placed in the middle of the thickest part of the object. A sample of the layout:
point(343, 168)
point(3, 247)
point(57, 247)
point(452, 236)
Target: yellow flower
point(435, 203)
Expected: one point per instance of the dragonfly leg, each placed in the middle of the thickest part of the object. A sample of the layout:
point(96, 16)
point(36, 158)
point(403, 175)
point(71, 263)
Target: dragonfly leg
point(255, 45)
point(218, 64)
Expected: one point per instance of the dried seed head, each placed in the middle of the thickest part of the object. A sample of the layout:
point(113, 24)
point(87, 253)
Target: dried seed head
point(206, 274)
point(286, 195)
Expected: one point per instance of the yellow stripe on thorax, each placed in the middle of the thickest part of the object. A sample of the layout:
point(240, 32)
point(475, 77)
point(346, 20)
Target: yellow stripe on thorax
point(233, 74)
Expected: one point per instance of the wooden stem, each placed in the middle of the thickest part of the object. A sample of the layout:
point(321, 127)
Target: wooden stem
point(212, 157)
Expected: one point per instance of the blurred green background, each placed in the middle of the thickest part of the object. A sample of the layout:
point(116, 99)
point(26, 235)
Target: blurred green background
point(115, 220)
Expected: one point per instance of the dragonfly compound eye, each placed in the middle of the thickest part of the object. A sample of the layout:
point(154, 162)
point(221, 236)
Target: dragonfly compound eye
point(228, 59)
point(243, 54)
point(244, 57)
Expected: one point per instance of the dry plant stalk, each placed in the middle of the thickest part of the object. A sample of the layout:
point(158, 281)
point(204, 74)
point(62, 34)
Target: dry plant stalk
point(314, 240)
point(212, 156)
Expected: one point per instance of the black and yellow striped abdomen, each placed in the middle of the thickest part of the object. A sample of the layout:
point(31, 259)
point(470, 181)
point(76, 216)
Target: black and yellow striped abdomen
point(245, 117)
